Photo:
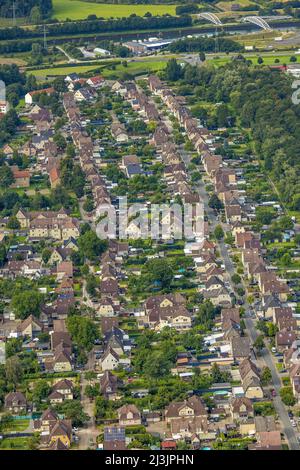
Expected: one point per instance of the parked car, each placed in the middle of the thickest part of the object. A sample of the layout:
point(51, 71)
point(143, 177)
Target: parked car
point(273, 392)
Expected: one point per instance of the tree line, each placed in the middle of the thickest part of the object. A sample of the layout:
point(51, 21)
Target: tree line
point(205, 45)
point(132, 23)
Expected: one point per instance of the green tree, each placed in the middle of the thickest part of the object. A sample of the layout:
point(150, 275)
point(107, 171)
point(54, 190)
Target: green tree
point(46, 254)
point(3, 254)
point(286, 259)
point(92, 391)
point(13, 346)
point(88, 205)
point(159, 271)
point(222, 115)
point(259, 343)
point(236, 279)
point(287, 397)
point(13, 223)
point(202, 56)
point(91, 284)
point(266, 376)
point(34, 441)
point(219, 232)
point(26, 303)
point(215, 203)
point(72, 409)
point(265, 215)
point(13, 370)
point(6, 176)
point(83, 331)
point(91, 246)
point(59, 85)
point(173, 70)
point(41, 390)
point(60, 141)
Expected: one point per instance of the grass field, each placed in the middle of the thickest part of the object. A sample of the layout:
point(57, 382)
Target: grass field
point(12, 60)
point(77, 10)
point(132, 67)
point(18, 425)
point(58, 71)
point(262, 39)
point(16, 443)
point(267, 59)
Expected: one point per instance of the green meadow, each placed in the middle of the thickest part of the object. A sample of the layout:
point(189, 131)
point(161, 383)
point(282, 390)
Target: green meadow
point(134, 68)
point(78, 10)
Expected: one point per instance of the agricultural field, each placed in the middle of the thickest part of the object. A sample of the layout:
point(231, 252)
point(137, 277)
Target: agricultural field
point(226, 6)
point(77, 10)
point(12, 60)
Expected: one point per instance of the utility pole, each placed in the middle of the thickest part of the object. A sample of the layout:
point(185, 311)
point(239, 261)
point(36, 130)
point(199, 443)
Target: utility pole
point(14, 12)
point(216, 41)
point(45, 38)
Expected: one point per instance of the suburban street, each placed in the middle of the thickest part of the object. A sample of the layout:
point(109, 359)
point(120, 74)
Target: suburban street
point(88, 434)
point(250, 325)
point(279, 407)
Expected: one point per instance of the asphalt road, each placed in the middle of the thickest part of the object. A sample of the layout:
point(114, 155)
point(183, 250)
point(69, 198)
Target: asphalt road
point(89, 433)
point(266, 355)
point(279, 407)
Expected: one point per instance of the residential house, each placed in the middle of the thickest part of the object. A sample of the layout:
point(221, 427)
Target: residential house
point(29, 97)
point(30, 327)
point(192, 407)
point(96, 82)
point(129, 415)
point(21, 178)
point(119, 132)
point(109, 385)
point(240, 347)
point(114, 438)
point(62, 390)
point(250, 376)
point(110, 360)
point(284, 339)
point(15, 402)
point(241, 408)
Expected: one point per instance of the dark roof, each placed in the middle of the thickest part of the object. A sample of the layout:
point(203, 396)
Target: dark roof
point(114, 433)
